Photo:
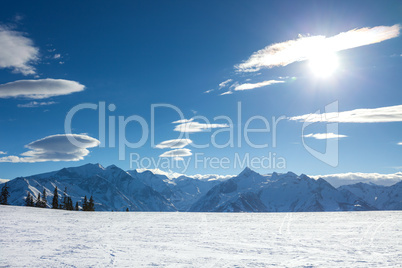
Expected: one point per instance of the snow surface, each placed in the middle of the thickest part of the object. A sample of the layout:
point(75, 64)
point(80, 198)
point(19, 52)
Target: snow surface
point(34, 237)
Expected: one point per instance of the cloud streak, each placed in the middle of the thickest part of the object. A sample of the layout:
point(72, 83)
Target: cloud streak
point(34, 104)
point(177, 154)
point(324, 136)
point(55, 148)
point(192, 126)
point(351, 178)
point(39, 89)
point(17, 52)
point(174, 144)
point(248, 86)
point(225, 83)
point(303, 48)
point(376, 115)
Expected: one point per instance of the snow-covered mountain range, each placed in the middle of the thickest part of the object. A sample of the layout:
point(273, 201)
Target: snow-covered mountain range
point(151, 190)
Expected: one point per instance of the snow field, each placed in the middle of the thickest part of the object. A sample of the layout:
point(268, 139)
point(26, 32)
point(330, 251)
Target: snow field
point(32, 237)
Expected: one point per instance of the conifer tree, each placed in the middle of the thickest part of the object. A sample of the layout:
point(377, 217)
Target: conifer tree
point(65, 198)
point(38, 201)
point(76, 206)
point(29, 200)
point(127, 209)
point(55, 201)
point(85, 204)
point(4, 195)
point(91, 204)
point(69, 204)
point(44, 198)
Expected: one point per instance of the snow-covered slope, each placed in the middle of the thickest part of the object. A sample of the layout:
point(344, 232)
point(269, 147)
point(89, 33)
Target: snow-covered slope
point(381, 197)
point(111, 187)
point(33, 237)
point(250, 191)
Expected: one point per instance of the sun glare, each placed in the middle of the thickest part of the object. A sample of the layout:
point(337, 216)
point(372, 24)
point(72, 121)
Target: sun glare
point(324, 65)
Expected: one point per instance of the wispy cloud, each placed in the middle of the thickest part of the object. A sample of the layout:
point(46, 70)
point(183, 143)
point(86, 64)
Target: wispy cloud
point(192, 126)
point(303, 48)
point(177, 154)
point(34, 104)
point(174, 144)
point(182, 121)
point(227, 93)
point(17, 51)
point(324, 136)
point(351, 178)
point(248, 86)
point(376, 115)
point(221, 85)
point(55, 148)
point(1, 152)
point(40, 88)
point(399, 143)
point(225, 83)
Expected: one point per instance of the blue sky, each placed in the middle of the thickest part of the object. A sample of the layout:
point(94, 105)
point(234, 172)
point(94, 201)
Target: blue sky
point(57, 55)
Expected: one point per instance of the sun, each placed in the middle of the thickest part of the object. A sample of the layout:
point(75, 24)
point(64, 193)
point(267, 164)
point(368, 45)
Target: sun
point(323, 65)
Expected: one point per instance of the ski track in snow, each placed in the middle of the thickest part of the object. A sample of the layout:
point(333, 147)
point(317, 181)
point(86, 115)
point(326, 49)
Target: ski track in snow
point(32, 237)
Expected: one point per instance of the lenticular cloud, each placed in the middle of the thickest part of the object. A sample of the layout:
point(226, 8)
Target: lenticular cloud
point(39, 89)
point(62, 147)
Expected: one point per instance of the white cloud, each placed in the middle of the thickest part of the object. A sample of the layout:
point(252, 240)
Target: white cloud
point(197, 127)
point(182, 121)
point(177, 154)
point(208, 91)
point(376, 115)
point(303, 48)
point(3, 180)
point(1, 152)
point(17, 51)
point(324, 136)
point(40, 88)
point(34, 104)
point(174, 175)
point(176, 143)
point(399, 143)
point(55, 148)
point(248, 86)
point(226, 93)
point(56, 56)
point(225, 83)
point(337, 180)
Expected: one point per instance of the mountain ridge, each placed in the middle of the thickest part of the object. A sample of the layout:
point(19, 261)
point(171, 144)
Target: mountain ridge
point(143, 190)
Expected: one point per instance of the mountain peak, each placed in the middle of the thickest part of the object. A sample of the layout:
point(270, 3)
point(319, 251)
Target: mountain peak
point(112, 167)
point(291, 174)
point(247, 171)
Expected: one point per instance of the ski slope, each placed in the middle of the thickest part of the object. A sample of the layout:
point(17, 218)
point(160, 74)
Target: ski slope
point(34, 237)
